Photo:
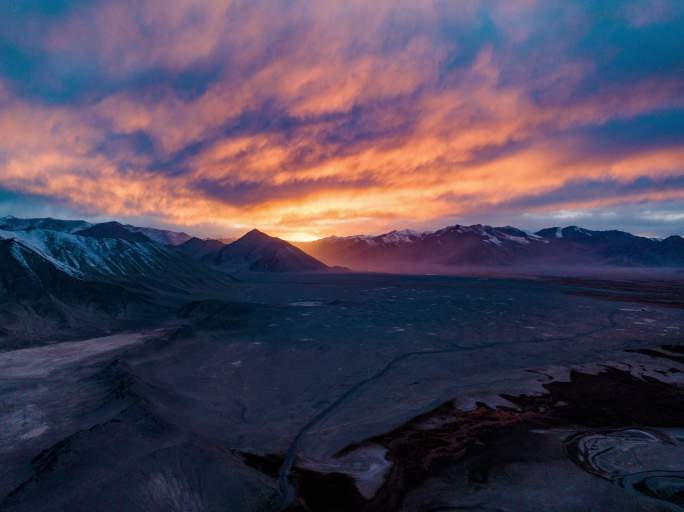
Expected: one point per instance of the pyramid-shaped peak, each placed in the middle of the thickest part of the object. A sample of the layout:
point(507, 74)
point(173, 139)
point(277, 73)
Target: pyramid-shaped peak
point(255, 234)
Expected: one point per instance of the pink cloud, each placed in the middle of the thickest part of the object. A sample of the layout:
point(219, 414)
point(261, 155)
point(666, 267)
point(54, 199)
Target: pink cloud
point(379, 127)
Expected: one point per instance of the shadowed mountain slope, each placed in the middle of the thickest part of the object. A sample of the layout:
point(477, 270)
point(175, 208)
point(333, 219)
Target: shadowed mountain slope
point(102, 230)
point(161, 236)
point(198, 248)
point(39, 297)
point(113, 230)
point(487, 246)
point(11, 223)
point(115, 259)
point(258, 252)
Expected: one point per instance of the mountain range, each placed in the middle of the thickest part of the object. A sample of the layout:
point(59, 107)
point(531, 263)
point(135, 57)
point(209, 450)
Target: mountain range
point(111, 248)
point(162, 236)
point(67, 277)
point(71, 278)
point(258, 252)
point(500, 247)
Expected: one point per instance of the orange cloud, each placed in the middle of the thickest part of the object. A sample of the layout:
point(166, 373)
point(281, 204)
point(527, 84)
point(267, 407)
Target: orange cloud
point(323, 118)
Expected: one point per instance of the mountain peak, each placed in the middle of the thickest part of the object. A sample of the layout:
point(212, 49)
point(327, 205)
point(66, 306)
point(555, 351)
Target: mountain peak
point(255, 233)
point(199, 248)
point(257, 251)
point(113, 229)
point(162, 236)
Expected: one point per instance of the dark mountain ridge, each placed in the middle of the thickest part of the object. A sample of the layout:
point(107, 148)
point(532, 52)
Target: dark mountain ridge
point(455, 246)
point(40, 298)
point(55, 284)
point(199, 248)
point(259, 252)
point(109, 229)
point(487, 246)
point(113, 230)
point(11, 223)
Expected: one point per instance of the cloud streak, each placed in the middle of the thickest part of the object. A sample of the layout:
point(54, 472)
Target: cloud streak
point(309, 119)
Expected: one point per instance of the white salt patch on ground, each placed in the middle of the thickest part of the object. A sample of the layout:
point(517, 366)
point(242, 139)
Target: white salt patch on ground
point(40, 361)
point(34, 432)
point(532, 383)
point(367, 466)
point(20, 423)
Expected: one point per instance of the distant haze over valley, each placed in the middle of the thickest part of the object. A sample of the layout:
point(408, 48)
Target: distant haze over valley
point(341, 255)
point(406, 251)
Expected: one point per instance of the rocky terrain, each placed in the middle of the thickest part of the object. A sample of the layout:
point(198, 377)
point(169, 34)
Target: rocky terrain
point(136, 376)
point(258, 252)
point(456, 247)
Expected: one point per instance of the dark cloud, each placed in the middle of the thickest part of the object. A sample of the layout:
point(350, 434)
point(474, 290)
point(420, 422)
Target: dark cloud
point(253, 193)
point(422, 110)
point(659, 129)
point(576, 192)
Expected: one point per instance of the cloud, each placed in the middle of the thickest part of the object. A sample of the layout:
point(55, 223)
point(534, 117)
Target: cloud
point(331, 117)
point(603, 192)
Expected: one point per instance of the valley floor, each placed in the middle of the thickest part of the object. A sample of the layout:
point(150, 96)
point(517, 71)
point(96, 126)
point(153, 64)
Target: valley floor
point(358, 392)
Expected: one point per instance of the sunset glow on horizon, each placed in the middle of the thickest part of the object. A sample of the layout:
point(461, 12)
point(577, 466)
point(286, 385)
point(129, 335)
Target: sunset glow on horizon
point(309, 119)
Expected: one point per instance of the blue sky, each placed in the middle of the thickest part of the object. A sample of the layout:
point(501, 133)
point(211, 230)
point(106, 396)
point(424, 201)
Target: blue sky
point(309, 119)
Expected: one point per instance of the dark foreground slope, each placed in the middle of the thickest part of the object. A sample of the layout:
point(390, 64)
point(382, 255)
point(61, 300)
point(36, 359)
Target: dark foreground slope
point(358, 393)
point(39, 298)
point(325, 392)
point(60, 285)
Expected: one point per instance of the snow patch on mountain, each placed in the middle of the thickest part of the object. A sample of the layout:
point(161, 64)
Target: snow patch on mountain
point(11, 223)
point(36, 241)
point(492, 239)
point(161, 236)
point(517, 239)
point(80, 255)
point(397, 237)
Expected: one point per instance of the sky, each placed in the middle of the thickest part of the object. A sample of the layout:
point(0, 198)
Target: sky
point(315, 118)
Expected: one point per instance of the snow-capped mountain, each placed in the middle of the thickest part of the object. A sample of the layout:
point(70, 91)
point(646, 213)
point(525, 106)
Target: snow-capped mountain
point(161, 236)
point(258, 252)
point(11, 223)
point(116, 251)
point(85, 255)
point(113, 250)
point(60, 283)
point(454, 245)
point(99, 257)
point(40, 297)
point(614, 247)
point(107, 229)
point(481, 245)
point(29, 274)
point(112, 230)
